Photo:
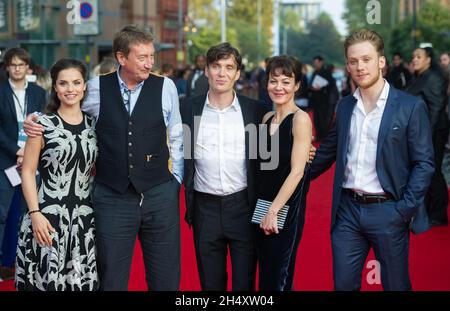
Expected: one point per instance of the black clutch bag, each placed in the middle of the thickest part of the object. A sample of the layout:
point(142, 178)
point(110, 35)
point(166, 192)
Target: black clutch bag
point(262, 206)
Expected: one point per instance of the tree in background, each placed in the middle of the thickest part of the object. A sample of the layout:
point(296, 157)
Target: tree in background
point(242, 16)
point(321, 38)
point(203, 27)
point(242, 28)
point(318, 37)
point(290, 23)
point(356, 14)
point(433, 25)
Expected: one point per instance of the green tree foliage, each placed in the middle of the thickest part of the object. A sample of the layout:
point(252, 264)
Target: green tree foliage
point(204, 16)
point(356, 14)
point(243, 17)
point(433, 26)
point(322, 39)
point(242, 27)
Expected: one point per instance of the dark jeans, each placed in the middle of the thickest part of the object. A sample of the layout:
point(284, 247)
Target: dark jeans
point(120, 220)
point(359, 227)
point(221, 223)
point(11, 236)
point(7, 193)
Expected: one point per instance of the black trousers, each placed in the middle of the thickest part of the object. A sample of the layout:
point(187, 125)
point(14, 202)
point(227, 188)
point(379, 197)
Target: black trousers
point(222, 223)
point(277, 254)
point(120, 219)
point(360, 227)
point(436, 199)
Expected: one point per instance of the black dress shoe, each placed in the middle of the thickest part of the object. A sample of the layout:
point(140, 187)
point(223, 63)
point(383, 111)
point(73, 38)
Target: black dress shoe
point(438, 223)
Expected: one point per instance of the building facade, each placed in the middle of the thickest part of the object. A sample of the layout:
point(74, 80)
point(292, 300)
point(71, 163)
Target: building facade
point(43, 27)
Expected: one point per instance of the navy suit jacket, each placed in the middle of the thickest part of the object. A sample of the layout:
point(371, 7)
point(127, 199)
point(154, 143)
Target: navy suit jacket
point(405, 156)
point(9, 129)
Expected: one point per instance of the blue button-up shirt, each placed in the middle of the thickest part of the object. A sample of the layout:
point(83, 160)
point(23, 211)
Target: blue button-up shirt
point(171, 114)
point(134, 93)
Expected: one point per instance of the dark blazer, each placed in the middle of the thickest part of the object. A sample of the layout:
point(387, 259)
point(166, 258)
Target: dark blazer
point(201, 85)
point(321, 96)
point(9, 129)
point(252, 112)
point(431, 87)
point(405, 157)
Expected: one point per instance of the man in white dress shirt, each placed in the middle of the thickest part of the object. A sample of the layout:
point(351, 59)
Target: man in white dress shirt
point(381, 143)
point(220, 174)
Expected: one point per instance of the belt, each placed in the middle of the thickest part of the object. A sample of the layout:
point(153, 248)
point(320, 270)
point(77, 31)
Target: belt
point(364, 198)
point(236, 195)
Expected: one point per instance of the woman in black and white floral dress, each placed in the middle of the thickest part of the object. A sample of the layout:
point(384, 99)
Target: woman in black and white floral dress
point(56, 249)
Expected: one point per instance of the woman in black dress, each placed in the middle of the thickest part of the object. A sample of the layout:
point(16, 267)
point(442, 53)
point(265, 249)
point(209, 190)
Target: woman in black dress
point(56, 249)
point(288, 183)
point(430, 84)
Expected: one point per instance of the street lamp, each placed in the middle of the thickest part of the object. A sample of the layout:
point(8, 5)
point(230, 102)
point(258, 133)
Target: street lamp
point(223, 20)
point(276, 28)
point(189, 28)
point(414, 26)
point(180, 54)
point(259, 29)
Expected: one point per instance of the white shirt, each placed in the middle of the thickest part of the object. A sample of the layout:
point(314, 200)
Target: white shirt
point(360, 171)
point(19, 101)
point(219, 153)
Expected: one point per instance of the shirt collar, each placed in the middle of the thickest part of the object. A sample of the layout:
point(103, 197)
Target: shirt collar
point(234, 105)
point(14, 87)
point(381, 102)
point(122, 84)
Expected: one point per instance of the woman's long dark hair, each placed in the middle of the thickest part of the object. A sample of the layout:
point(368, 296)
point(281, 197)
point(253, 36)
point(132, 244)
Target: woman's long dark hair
point(60, 65)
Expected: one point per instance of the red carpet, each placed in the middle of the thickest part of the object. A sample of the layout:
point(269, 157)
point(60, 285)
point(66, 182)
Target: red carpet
point(429, 252)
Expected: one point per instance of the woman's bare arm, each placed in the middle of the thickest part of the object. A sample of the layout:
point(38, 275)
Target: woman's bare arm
point(41, 225)
point(302, 132)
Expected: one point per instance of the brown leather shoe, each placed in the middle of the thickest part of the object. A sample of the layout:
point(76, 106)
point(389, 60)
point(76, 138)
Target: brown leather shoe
point(7, 273)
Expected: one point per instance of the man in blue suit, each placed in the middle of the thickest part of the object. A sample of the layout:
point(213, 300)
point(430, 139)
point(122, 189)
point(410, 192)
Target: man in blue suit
point(17, 99)
point(381, 143)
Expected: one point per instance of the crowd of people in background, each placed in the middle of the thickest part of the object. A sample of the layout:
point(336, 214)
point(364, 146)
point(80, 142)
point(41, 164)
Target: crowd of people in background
point(314, 86)
point(190, 81)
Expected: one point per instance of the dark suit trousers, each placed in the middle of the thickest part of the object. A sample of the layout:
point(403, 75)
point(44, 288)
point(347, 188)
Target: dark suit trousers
point(6, 198)
point(222, 222)
point(120, 219)
point(436, 199)
point(359, 227)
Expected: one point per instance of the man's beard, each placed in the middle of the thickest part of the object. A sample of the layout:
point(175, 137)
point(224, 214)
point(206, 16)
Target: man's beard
point(371, 82)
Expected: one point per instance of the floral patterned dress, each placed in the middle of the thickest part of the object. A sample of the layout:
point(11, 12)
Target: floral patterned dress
point(64, 199)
